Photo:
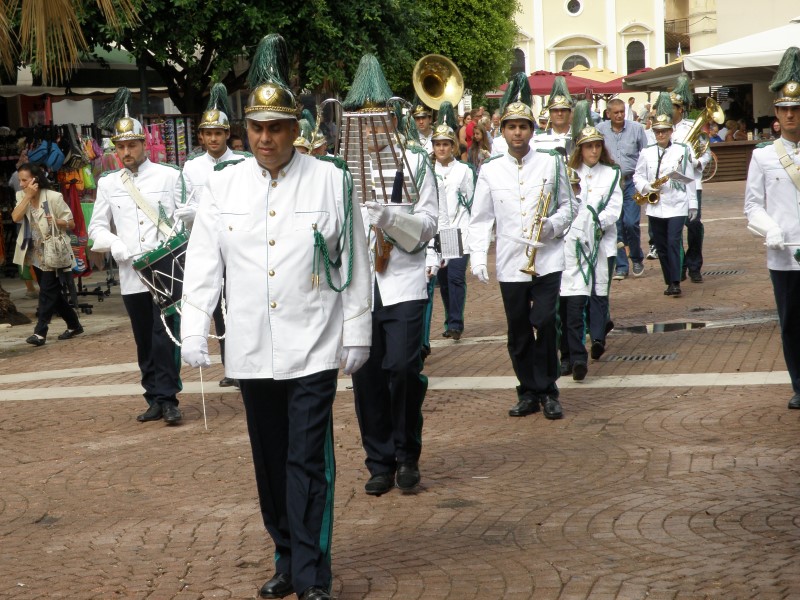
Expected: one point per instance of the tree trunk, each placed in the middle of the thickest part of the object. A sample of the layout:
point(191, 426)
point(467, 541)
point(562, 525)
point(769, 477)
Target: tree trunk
point(9, 312)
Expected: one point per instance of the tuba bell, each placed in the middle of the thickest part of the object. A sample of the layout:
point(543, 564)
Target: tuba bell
point(696, 137)
point(436, 79)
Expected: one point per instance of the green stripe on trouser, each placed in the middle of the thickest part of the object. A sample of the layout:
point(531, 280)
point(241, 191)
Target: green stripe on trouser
point(428, 315)
point(326, 530)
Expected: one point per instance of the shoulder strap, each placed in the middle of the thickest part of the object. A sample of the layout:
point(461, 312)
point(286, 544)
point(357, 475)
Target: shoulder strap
point(163, 227)
point(787, 163)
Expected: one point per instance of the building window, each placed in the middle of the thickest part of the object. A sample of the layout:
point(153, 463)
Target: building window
point(574, 7)
point(635, 53)
point(573, 61)
point(518, 66)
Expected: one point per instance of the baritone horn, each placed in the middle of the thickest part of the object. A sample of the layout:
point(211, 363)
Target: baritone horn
point(696, 137)
point(536, 231)
point(437, 79)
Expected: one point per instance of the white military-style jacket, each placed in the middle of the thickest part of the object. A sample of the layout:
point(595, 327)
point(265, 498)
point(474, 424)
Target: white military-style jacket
point(592, 238)
point(261, 231)
point(549, 139)
point(456, 185)
point(197, 169)
point(426, 142)
point(404, 278)
point(771, 191)
point(161, 187)
point(508, 193)
point(676, 198)
point(679, 133)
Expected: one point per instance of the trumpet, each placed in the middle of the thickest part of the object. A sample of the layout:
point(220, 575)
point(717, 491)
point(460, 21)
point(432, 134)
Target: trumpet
point(654, 196)
point(536, 232)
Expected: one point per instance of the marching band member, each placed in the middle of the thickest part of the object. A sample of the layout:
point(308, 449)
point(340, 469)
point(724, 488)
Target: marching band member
point(390, 388)
point(139, 202)
point(770, 203)
point(297, 295)
point(559, 110)
point(674, 201)
point(214, 130)
point(681, 98)
point(590, 246)
point(424, 121)
point(512, 191)
point(303, 143)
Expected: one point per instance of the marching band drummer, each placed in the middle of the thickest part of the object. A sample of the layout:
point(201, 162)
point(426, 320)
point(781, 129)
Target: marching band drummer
point(675, 201)
point(297, 294)
point(140, 201)
point(770, 202)
point(511, 192)
point(590, 246)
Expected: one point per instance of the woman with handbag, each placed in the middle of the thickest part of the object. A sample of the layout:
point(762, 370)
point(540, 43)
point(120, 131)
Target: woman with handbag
point(42, 245)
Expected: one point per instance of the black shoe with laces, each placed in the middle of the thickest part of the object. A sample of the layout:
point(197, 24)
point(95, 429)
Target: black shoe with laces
point(71, 333)
point(696, 277)
point(172, 414)
point(552, 408)
point(279, 586)
point(36, 340)
point(408, 476)
point(379, 484)
point(153, 413)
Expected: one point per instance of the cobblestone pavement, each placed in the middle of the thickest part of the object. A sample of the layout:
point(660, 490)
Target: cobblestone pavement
point(673, 475)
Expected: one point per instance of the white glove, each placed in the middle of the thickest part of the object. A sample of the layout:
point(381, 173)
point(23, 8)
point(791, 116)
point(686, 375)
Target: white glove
point(186, 213)
point(548, 231)
point(692, 214)
point(379, 215)
point(431, 271)
point(120, 251)
point(353, 358)
point(775, 239)
point(481, 272)
point(194, 351)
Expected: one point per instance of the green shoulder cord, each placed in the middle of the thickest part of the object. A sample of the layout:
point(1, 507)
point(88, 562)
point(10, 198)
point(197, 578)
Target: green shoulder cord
point(321, 255)
point(591, 259)
point(163, 218)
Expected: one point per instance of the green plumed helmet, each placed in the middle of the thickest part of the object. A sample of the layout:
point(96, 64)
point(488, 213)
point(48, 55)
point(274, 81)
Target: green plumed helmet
point(681, 94)
point(306, 134)
point(516, 102)
point(663, 110)
point(370, 91)
point(447, 115)
point(583, 129)
point(559, 94)
point(117, 119)
point(787, 79)
point(218, 109)
point(268, 79)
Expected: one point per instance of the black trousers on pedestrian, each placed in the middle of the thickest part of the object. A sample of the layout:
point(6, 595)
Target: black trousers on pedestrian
point(291, 437)
point(572, 313)
point(668, 240)
point(52, 302)
point(533, 305)
point(158, 356)
point(390, 388)
point(694, 239)
point(599, 310)
point(786, 286)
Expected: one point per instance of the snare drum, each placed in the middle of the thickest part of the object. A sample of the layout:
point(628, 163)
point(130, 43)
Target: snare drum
point(161, 271)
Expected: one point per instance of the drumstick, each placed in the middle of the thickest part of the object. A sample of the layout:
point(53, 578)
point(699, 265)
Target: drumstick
point(203, 398)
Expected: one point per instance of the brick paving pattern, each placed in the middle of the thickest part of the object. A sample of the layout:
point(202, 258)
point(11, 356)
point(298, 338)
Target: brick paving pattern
point(672, 493)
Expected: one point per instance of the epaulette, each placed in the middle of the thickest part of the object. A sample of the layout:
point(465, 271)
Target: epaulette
point(242, 153)
point(615, 166)
point(550, 151)
point(491, 158)
point(166, 164)
point(222, 165)
point(680, 144)
point(765, 144)
point(337, 161)
point(109, 173)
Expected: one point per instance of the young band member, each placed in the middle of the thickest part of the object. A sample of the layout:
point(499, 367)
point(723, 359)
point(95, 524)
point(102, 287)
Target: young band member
point(770, 203)
point(297, 292)
point(390, 388)
point(671, 201)
point(138, 202)
point(525, 192)
point(559, 110)
point(590, 247)
point(423, 119)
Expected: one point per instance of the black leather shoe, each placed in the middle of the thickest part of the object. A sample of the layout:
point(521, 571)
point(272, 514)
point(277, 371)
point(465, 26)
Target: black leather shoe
point(36, 340)
point(279, 586)
point(598, 349)
point(669, 291)
point(676, 289)
point(552, 408)
point(226, 382)
point(526, 406)
point(172, 414)
point(566, 368)
point(408, 476)
point(455, 334)
point(379, 484)
point(71, 333)
point(696, 276)
point(446, 334)
point(795, 401)
point(153, 413)
point(315, 593)
point(579, 371)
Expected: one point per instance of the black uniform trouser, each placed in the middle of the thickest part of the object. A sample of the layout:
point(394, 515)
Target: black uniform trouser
point(453, 287)
point(533, 305)
point(52, 301)
point(573, 329)
point(786, 286)
point(390, 388)
point(291, 436)
point(694, 239)
point(599, 308)
point(158, 357)
point(668, 240)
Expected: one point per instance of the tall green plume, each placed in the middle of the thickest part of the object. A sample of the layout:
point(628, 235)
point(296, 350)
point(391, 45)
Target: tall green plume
point(581, 117)
point(370, 87)
point(519, 90)
point(218, 98)
point(560, 88)
point(306, 126)
point(270, 63)
point(788, 69)
point(663, 105)
point(116, 109)
point(447, 115)
point(684, 89)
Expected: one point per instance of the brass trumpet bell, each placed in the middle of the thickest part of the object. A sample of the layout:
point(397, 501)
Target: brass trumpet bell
point(436, 79)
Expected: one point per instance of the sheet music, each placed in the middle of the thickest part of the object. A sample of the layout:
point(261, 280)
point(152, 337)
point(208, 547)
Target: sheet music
point(450, 243)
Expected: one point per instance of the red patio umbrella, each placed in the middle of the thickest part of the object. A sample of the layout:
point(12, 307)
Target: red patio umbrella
point(541, 83)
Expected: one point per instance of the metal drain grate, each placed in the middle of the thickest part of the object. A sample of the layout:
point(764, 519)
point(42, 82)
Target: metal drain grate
point(640, 357)
point(724, 272)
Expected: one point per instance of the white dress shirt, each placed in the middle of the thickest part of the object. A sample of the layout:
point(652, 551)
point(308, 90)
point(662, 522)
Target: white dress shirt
point(676, 198)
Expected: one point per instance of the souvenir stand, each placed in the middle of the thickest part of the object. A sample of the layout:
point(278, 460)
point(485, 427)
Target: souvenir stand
point(175, 134)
